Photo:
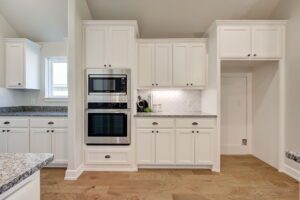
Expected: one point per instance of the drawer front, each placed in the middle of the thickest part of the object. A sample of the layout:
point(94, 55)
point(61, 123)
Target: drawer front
point(15, 123)
point(154, 123)
point(48, 123)
point(195, 123)
point(93, 157)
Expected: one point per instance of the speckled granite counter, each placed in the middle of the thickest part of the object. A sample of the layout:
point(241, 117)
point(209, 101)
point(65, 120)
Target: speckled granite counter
point(15, 168)
point(182, 114)
point(34, 111)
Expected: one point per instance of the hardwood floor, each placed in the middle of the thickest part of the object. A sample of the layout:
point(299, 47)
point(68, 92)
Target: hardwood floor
point(242, 178)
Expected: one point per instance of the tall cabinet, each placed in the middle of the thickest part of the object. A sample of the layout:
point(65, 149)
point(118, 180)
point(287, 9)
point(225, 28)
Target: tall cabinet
point(109, 44)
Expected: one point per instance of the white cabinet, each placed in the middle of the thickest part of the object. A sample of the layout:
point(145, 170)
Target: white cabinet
point(49, 135)
point(185, 147)
point(156, 146)
point(164, 146)
point(146, 146)
point(251, 41)
point(203, 144)
point(155, 65)
point(267, 41)
point(172, 63)
point(175, 142)
point(189, 65)
point(22, 63)
point(14, 140)
point(109, 45)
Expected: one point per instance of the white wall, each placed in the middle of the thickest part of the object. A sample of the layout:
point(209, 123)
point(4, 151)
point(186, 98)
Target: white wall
point(290, 9)
point(265, 113)
point(36, 97)
point(7, 97)
point(77, 11)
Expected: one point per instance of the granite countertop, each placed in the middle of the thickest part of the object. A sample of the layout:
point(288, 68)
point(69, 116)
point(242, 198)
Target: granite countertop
point(38, 111)
point(16, 167)
point(175, 114)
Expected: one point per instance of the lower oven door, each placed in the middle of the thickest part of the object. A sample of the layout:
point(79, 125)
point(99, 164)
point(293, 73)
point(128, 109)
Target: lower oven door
point(107, 127)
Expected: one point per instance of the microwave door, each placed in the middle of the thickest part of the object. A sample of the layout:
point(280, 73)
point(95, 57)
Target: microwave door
point(107, 85)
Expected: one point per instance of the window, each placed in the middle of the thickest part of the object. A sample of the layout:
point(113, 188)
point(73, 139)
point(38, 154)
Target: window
point(56, 77)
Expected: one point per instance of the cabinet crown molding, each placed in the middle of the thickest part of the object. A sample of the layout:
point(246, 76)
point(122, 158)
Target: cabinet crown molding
point(24, 40)
point(113, 23)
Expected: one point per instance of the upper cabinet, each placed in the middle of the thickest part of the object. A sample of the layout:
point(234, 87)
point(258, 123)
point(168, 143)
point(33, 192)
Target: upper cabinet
point(251, 40)
point(109, 44)
point(22, 62)
point(172, 63)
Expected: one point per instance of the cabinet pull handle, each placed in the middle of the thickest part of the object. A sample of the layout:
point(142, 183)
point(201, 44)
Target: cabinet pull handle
point(107, 156)
point(50, 123)
point(193, 131)
point(7, 122)
point(52, 131)
point(194, 123)
point(255, 54)
point(187, 84)
point(104, 65)
point(109, 65)
point(19, 83)
point(8, 131)
point(249, 55)
point(197, 131)
point(152, 131)
point(3, 131)
point(152, 84)
point(191, 84)
point(156, 131)
point(47, 131)
point(154, 123)
point(156, 84)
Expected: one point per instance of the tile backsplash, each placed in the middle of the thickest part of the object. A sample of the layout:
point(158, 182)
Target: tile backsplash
point(174, 100)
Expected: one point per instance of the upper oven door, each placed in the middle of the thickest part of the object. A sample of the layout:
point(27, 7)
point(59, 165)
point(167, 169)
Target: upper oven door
point(107, 84)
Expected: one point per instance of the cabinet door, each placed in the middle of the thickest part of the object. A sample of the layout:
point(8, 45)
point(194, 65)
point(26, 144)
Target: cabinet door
point(120, 44)
point(146, 65)
point(40, 140)
point(180, 64)
point(3, 141)
point(59, 145)
point(266, 42)
point(15, 64)
point(165, 146)
point(185, 147)
point(235, 41)
point(203, 146)
point(198, 65)
point(18, 140)
point(96, 46)
point(163, 65)
point(146, 146)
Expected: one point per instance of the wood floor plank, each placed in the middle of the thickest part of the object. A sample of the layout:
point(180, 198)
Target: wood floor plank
point(241, 178)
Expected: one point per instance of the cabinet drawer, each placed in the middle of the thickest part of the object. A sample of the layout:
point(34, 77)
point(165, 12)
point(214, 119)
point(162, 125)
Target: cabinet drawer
point(154, 123)
point(195, 123)
point(16, 123)
point(48, 123)
point(106, 157)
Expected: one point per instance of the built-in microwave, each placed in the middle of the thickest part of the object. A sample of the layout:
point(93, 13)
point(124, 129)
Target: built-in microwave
point(108, 85)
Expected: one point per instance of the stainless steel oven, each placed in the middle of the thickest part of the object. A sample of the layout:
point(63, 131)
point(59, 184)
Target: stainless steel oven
point(108, 125)
point(108, 85)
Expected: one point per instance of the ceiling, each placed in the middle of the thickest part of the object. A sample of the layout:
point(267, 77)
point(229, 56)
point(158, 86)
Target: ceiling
point(179, 18)
point(46, 20)
point(38, 20)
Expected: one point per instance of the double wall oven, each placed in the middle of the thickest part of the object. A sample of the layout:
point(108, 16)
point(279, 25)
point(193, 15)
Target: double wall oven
point(108, 107)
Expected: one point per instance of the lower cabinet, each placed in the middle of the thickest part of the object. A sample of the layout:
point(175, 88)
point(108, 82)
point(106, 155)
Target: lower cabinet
point(156, 146)
point(186, 142)
point(14, 140)
point(194, 146)
point(45, 140)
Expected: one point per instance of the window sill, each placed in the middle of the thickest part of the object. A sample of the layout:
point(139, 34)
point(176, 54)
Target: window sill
point(56, 99)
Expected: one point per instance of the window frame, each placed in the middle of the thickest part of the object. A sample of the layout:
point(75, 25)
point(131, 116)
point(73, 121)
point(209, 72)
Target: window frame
point(49, 78)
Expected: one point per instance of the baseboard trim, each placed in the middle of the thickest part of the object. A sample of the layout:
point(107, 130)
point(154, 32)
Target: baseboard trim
point(72, 175)
point(292, 172)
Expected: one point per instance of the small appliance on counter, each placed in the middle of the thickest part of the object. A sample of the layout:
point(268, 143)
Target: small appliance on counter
point(142, 105)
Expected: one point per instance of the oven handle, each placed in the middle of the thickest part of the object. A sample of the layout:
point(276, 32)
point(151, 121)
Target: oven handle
point(107, 76)
point(125, 111)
